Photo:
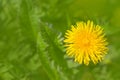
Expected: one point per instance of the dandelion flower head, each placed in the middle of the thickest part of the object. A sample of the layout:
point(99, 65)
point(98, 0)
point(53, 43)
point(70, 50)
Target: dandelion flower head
point(86, 42)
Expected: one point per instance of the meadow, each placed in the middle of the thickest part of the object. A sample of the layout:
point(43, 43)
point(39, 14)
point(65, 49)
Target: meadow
point(32, 34)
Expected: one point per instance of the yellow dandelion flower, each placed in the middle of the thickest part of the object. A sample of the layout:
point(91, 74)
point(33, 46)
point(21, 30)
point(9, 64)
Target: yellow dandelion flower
point(86, 42)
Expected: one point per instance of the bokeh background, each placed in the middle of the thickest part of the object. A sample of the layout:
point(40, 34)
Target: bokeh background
point(32, 33)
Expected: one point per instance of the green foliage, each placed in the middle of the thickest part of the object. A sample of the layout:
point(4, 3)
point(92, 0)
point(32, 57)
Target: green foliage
point(32, 33)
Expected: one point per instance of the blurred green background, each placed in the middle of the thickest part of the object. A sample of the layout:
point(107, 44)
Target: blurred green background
point(32, 33)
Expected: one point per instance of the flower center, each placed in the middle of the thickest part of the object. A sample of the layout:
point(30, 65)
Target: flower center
point(86, 43)
point(83, 41)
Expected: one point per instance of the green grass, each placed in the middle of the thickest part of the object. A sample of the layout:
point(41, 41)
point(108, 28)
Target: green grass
point(32, 33)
